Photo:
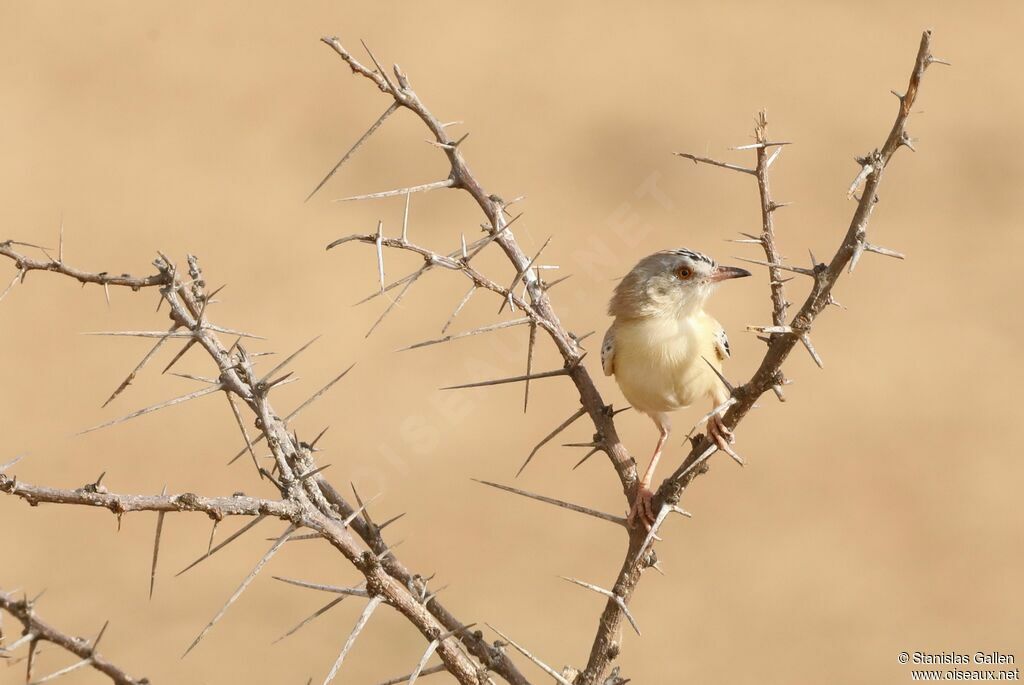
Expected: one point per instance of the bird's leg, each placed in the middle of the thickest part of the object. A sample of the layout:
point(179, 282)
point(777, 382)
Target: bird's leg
point(642, 509)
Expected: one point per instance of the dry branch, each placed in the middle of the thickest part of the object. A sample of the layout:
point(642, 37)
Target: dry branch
point(493, 208)
point(769, 373)
point(307, 500)
point(781, 336)
point(35, 629)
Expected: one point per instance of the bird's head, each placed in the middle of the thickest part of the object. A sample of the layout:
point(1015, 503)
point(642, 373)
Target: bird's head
point(671, 282)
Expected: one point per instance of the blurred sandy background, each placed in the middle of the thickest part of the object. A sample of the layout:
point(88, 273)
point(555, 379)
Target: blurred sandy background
point(879, 511)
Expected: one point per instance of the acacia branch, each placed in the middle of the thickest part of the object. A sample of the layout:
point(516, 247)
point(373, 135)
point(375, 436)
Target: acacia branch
point(36, 629)
point(308, 500)
point(768, 208)
point(494, 209)
point(92, 495)
point(25, 263)
point(769, 373)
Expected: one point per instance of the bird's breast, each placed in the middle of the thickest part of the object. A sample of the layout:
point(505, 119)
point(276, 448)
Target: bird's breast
point(659, 362)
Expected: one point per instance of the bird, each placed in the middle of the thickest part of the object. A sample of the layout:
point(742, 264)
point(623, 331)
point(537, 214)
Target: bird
point(665, 351)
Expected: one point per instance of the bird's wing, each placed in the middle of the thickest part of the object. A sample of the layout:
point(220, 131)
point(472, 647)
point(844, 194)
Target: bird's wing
point(721, 345)
point(608, 352)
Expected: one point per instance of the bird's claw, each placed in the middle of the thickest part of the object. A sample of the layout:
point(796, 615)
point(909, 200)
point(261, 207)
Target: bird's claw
point(719, 431)
point(723, 437)
point(642, 510)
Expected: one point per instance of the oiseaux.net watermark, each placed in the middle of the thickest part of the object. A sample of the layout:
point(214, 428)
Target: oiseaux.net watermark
point(979, 665)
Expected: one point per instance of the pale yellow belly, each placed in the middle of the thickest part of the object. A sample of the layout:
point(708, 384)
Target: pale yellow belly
point(659, 366)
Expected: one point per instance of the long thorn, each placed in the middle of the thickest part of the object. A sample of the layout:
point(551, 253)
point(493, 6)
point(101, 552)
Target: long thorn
point(316, 614)
point(712, 448)
point(380, 69)
point(148, 410)
point(356, 512)
point(462, 303)
point(234, 536)
point(611, 595)
point(522, 274)
point(232, 331)
point(14, 280)
point(514, 379)
point(395, 302)
point(362, 506)
point(362, 139)
point(140, 334)
point(245, 433)
point(213, 533)
point(312, 445)
point(415, 274)
point(241, 588)
point(295, 412)
point(287, 360)
point(391, 520)
point(179, 355)
point(561, 427)
point(440, 668)
point(379, 243)
point(12, 462)
point(776, 265)
point(62, 672)
point(405, 218)
point(543, 666)
point(588, 455)
point(529, 364)
point(725, 381)
point(138, 367)
point(718, 410)
point(558, 503)
point(806, 340)
point(427, 653)
point(446, 183)
point(156, 545)
point(770, 329)
point(878, 249)
point(713, 162)
point(357, 591)
point(371, 606)
point(318, 394)
point(663, 513)
point(466, 334)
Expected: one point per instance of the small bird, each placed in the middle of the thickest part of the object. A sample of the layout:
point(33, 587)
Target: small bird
point(662, 346)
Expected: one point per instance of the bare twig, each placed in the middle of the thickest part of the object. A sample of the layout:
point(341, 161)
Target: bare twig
point(38, 629)
point(768, 374)
point(91, 496)
point(493, 209)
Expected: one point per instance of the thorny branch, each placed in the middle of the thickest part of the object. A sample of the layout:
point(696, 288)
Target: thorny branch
point(307, 501)
point(497, 229)
point(769, 373)
point(36, 630)
point(781, 336)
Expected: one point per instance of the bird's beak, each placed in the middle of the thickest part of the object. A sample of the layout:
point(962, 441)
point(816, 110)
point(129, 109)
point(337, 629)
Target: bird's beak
point(724, 273)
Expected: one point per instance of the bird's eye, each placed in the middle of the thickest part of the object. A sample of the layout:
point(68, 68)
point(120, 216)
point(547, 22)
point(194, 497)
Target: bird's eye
point(684, 272)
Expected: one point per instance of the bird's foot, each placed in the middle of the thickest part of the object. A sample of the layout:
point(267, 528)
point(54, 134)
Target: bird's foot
point(642, 511)
point(723, 437)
